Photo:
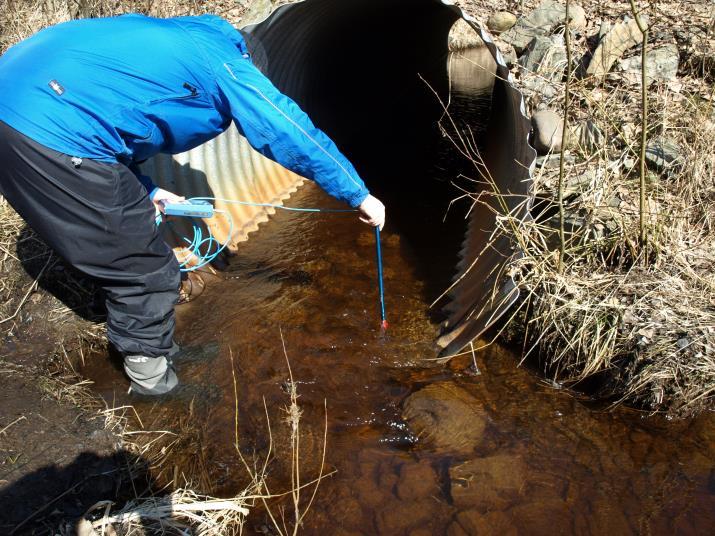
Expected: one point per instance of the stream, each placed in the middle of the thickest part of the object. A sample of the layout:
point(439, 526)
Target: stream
point(502, 452)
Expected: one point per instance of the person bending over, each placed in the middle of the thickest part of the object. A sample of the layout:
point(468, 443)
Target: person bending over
point(82, 102)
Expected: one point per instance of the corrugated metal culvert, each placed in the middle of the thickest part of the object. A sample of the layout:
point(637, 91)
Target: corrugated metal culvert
point(334, 59)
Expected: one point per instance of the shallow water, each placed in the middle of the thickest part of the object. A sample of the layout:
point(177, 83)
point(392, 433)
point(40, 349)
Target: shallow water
point(544, 463)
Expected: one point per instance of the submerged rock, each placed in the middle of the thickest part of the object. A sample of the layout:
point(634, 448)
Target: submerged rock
point(488, 483)
point(548, 131)
point(545, 515)
point(607, 517)
point(416, 481)
point(446, 417)
point(542, 22)
point(501, 21)
point(473, 522)
point(397, 518)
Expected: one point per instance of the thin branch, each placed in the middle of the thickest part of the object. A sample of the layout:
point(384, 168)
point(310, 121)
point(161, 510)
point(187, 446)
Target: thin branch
point(644, 132)
point(564, 134)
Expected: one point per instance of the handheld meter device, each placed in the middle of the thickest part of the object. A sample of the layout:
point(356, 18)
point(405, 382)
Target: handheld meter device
point(191, 209)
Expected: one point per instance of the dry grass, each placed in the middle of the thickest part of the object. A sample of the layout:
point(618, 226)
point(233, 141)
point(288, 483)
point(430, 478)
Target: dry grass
point(181, 512)
point(183, 509)
point(640, 320)
point(11, 225)
point(281, 521)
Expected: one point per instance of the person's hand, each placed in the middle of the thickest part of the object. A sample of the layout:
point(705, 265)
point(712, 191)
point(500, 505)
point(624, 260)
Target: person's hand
point(161, 197)
point(373, 212)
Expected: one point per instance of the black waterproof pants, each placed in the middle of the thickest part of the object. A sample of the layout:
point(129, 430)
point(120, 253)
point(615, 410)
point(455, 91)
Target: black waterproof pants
point(98, 217)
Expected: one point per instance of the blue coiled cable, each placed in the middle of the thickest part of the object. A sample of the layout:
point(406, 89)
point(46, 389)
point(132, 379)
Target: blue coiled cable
point(211, 245)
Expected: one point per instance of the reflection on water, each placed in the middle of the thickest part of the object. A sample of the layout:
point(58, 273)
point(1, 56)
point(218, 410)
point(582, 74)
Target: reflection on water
point(535, 460)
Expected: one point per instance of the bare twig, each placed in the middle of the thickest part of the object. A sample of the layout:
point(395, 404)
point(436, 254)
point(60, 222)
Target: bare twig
point(22, 418)
point(644, 132)
point(564, 134)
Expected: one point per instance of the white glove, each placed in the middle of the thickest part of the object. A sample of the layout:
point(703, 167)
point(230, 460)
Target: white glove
point(373, 212)
point(161, 197)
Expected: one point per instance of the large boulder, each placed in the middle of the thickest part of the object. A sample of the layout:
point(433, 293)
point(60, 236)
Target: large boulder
point(663, 154)
point(446, 418)
point(544, 63)
point(587, 136)
point(258, 10)
point(545, 56)
point(462, 36)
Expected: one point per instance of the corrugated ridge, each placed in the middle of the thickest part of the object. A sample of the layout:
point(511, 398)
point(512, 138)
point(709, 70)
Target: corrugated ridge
point(483, 291)
point(227, 167)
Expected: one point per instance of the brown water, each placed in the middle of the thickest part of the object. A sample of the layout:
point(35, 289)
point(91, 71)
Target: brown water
point(543, 462)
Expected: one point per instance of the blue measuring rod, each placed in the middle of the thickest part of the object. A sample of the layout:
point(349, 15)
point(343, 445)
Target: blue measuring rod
point(383, 316)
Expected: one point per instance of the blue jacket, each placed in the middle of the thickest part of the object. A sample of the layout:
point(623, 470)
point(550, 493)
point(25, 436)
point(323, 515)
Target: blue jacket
point(126, 88)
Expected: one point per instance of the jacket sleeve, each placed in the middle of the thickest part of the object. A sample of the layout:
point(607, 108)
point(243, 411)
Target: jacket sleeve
point(276, 127)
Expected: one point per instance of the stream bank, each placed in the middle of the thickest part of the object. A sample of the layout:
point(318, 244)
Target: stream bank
point(414, 446)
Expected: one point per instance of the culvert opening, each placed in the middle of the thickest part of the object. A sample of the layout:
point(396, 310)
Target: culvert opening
point(371, 74)
point(374, 75)
point(367, 75)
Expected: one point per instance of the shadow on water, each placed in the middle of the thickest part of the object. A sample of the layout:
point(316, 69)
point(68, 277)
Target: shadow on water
point(530, 459)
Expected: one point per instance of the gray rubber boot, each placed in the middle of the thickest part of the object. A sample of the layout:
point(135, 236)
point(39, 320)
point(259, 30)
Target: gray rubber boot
point(150, 375)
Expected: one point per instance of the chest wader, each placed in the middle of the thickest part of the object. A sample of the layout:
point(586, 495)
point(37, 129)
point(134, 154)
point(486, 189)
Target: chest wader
point(98, 218)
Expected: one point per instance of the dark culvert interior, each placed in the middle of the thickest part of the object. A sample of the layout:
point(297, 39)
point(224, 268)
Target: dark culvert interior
point(372, 74)
point(362, 71)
